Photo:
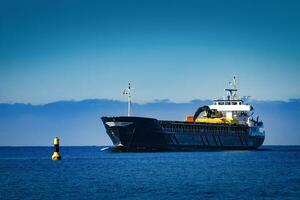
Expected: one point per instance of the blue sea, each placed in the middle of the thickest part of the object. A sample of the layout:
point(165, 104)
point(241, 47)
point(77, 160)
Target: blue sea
point(94, 173)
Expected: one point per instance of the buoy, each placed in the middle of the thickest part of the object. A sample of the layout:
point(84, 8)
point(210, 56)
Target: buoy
point(56, 155)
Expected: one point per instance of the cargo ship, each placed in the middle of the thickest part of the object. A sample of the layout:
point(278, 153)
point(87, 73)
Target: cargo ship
point(227, 124)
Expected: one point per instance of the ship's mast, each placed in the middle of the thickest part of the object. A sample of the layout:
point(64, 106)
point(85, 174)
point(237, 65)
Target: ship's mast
point(234, 85)
point(232, 91)
point(127, 92)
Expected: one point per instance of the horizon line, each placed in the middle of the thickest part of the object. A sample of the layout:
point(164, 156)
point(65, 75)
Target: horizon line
point(142, 102)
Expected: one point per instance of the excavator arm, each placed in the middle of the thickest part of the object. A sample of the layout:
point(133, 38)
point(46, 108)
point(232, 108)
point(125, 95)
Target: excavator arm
point(200, 110)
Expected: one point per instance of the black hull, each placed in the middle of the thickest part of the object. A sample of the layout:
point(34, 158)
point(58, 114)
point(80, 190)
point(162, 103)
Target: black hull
point(148, 134)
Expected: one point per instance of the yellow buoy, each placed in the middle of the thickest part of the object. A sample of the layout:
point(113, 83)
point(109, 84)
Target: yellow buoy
point(56, 155)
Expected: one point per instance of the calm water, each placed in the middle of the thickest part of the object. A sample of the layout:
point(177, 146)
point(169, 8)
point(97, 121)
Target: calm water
point(89, 173)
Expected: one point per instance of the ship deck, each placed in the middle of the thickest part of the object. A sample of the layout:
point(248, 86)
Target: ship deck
point(196, 127)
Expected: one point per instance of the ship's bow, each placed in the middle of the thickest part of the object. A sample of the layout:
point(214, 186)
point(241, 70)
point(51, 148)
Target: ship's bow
point(134, 133)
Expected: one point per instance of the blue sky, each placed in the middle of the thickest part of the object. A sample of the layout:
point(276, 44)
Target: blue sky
point(178, 50)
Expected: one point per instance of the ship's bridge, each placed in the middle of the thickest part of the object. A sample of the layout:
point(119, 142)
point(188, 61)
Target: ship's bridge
point(230, 105)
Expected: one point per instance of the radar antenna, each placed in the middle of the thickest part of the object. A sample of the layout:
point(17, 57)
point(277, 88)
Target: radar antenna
point(127, 92)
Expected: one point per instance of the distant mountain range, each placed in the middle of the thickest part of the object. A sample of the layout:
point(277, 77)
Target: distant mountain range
point(78, 122)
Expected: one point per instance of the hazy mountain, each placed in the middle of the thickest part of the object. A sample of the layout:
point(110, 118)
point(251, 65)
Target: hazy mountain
point(78, 122)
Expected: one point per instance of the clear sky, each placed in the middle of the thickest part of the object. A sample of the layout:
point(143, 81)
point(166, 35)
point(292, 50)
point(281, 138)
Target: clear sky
point(170, 49)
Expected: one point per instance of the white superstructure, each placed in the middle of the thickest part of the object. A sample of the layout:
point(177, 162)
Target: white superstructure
point(231, 107)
